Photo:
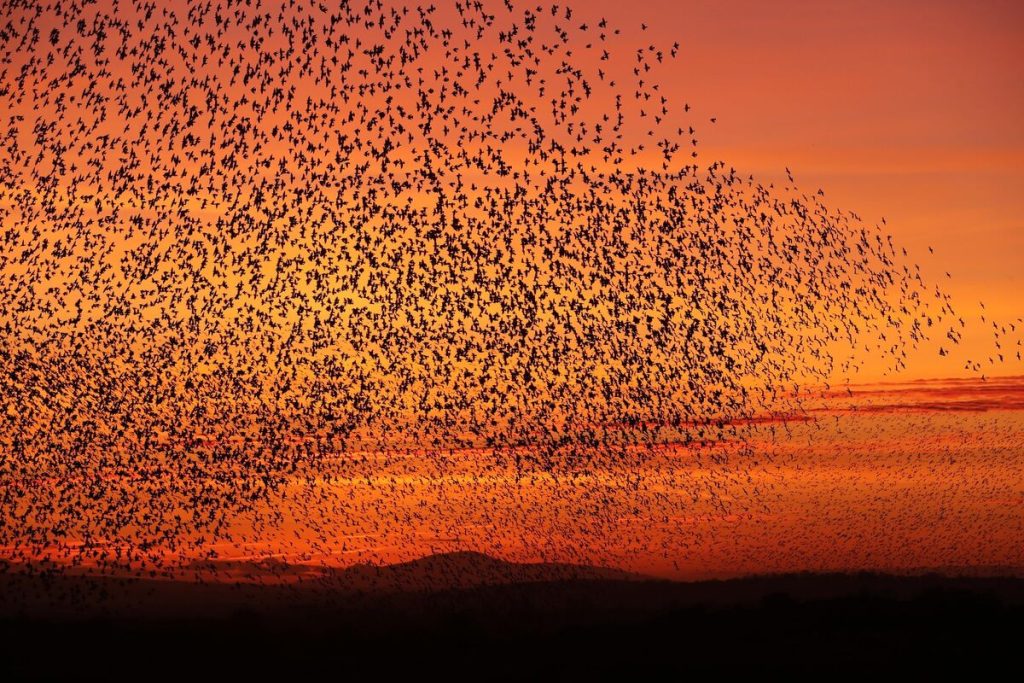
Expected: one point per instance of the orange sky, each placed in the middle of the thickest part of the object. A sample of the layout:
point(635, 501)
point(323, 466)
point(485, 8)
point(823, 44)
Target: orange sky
point(909, 110)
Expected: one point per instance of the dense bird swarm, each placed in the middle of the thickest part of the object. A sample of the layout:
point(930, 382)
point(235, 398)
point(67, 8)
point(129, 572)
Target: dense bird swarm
point(249, 248)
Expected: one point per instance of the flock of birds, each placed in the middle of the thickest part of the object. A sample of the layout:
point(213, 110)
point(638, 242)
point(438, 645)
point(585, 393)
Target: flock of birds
point(250, 250)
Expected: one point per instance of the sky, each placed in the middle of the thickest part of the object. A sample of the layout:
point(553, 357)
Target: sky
point(912, 111)
point(908, 111)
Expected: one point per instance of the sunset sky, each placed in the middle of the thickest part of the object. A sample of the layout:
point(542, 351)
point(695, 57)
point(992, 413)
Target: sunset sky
point(912, 111)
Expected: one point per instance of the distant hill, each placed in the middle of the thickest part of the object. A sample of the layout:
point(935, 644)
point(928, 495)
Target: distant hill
point(442, 571)
point(459, 570)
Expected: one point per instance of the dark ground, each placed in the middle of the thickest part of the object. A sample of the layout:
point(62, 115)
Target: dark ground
point(587, 627)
